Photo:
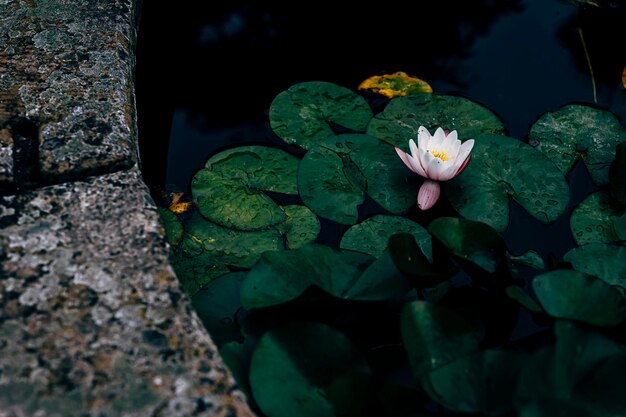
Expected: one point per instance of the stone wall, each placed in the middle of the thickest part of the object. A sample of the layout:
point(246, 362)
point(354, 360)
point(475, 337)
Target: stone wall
point(92, 319)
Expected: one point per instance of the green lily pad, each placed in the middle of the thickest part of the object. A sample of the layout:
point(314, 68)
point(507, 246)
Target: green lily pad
point(530, 258)
point(334, 176)
point(518, 294)
point(217, 304)
point(434, 335)
point(372, 235)
point(603, 260)
point(299, 368)
point(237, 357)
point(194, 266)
point(172, 225)
point(301, 227)
point(403, 116)
point(577, 296)
point(579, 131)
point(470, 241)
point(483, 382)
point(301, 114)
point(230, 189)
point(581, 375)
point(592, 219)
point(230, 247)
point(503, 167)
point(617, 174)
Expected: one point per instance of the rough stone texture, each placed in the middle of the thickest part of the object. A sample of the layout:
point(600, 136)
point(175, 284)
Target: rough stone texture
point(66, 70)
point(92, 319)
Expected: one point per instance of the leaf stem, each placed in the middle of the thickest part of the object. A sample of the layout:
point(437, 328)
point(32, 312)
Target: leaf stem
point(593, 78)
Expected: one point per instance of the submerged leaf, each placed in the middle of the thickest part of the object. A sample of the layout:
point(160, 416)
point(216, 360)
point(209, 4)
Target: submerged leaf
point(303, 369)
point(230, 189)
point(397, 84)
point(579, 131)
point(503, 167)
point(301, 114)
point(403, 116)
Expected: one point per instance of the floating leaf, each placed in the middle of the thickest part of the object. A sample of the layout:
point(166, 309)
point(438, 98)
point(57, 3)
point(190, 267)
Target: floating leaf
point(434, 335)
point(397, 84)
point(516, 293)
point(301, 114)
point(581, 375)
point(529, 258)
point(217, 304)
point(230, 189)
point(576, 296)
point(470, 241)
point(281, 277)
point(230, 247)
point(172, 225)
point(334, 176)
point(592, 219)
point(617, 174)
point(403, 116)
point(413, 264)
point(503, 167)
point(579, 131)
point(372, 235)
point(483, 383)
point(237, 357)
point(603, 260)
point(300, 368)
point(301, 227)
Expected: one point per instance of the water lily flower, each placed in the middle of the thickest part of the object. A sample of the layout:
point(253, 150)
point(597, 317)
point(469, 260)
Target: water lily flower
point(438, 157)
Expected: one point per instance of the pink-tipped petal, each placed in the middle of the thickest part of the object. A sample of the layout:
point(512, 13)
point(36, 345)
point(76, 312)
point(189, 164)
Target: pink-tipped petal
point(462, 167)
point(464, 151)
point(404, 156)
point(417, 167)
point(428, 194)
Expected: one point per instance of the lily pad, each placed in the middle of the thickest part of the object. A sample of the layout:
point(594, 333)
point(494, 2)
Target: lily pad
point(483, 382)
point(298, 368)
point(334, 176)
point(579, 131)
point(194, 266)
point(301, 114)
point(217, 304)
point(603, 260)
point(503, 167)
point(410, 261)
point(577, 296)
point(592, 219)
point(227, 246)
point(230, 189)
point(470, 241)
point(372, 234)
point(403, 116)
point(518, 294)
point(434, 335)
point(301, 227)
point(172, 225)
point(530, 258)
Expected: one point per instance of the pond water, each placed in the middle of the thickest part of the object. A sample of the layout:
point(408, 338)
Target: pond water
point(206, 76)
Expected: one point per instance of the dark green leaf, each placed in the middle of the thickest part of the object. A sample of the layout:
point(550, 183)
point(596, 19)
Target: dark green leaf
point(579, 131)
point(576, 296)
point(503, 167)
point(300, 369)
point(230, 189)
point(483, 382)
point(237, 357)
point(172, 225)
point(592, 219)
point(399, 121)
point(301, 227)
point(603, 260)
point(525, 300)
point(194, 266)
point(434, 335)
point(301, 114)
point(372, 234)
point(470, 241)
point(529, 258)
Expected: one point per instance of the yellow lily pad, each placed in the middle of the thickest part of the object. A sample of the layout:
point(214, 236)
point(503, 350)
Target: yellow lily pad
point(398, 84)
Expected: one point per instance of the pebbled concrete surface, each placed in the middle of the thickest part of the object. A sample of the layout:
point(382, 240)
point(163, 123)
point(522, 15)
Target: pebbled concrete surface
point(93, 321)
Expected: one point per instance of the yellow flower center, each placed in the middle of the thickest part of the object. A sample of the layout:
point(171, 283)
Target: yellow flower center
point(440, 154)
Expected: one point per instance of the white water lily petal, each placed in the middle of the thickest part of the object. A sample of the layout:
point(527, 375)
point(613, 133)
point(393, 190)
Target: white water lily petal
point(425, 158)
point(423, 136)
point(413, 148)
point(437, 139)
point(404, 157)
point(464, 152)
point(453, 152)
point(435, 167)
point(448, 142)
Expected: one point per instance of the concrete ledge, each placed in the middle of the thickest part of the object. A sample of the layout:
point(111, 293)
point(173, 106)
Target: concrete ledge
point(93, 321)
